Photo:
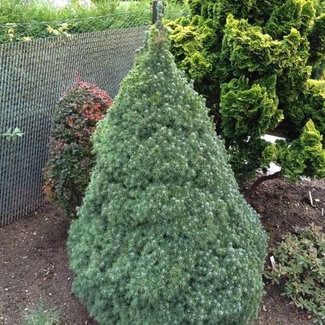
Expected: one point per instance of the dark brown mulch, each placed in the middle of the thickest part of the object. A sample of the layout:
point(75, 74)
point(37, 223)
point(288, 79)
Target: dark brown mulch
point(284, 207)
point(34, 268)
point(34, 262)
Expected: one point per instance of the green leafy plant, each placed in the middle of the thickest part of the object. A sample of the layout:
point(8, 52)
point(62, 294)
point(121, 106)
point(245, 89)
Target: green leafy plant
point(300, 267)
point(70, 155)
point(21, 21)
point(163, 235)
point(13, 133)
point(252, 61)
point(61, 31)
point(18, 11)
point(42, 316)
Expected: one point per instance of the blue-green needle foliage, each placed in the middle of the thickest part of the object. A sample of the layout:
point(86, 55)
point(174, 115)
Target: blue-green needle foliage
point(163, 235)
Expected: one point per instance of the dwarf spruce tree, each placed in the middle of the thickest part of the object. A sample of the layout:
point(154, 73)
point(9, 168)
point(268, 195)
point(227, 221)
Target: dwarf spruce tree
point(163, 234)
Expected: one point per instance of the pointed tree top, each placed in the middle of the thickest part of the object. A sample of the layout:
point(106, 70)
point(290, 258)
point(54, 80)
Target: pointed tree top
point(158, 36)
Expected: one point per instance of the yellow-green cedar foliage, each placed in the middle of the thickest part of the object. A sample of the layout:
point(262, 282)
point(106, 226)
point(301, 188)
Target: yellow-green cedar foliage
point(163, 235)
point(280, 40)
point(304, 156)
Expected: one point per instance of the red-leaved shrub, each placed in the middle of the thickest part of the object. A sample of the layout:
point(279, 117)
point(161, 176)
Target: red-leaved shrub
point(71, 159)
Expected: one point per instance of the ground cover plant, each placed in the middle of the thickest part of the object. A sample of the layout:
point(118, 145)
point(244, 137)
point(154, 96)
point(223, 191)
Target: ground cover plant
point(252, 61)
point(71, 158)
point(163, 235)
point(43, 316)
point(300, 265)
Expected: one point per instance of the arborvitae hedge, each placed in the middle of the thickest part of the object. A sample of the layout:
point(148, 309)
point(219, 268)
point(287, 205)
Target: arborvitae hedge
point(163, 234)
point(256, 41)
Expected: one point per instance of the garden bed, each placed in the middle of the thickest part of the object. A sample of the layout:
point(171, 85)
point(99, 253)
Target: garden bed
point(34, 262)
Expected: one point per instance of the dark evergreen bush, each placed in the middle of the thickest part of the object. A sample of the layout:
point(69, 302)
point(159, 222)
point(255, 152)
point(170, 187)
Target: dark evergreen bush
point(70, 154)
point(163, 234)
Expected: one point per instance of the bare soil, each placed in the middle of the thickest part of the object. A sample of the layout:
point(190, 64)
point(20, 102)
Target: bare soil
point(34, 262)
point(34, 268)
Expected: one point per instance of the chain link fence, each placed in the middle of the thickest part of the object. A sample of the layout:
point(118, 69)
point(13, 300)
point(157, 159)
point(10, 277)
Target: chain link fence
point(33, 75)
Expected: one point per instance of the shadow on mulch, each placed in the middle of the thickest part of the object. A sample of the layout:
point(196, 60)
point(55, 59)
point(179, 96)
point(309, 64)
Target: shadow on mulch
point(34, 262)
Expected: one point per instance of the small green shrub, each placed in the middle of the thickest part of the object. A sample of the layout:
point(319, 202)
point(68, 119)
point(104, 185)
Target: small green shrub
point(300, 265)
point(70, 154)
point(42, 316)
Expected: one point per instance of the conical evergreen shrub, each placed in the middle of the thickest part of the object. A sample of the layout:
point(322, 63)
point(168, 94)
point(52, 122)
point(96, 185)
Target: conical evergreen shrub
point(163, 234)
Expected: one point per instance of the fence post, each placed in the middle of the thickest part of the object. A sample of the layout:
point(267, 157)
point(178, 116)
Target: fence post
point(154, 11)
